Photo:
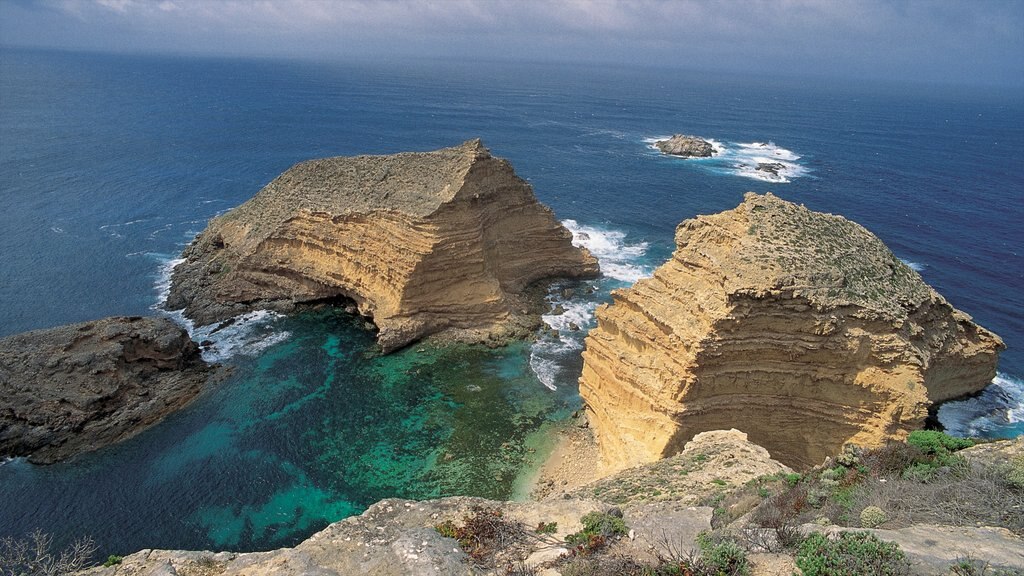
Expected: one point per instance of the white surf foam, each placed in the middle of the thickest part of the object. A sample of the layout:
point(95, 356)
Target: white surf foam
point(1001, 405)
point(247, 334)
point(743, 158)
point(621, 262)
point(915, 266)
point(618, 258)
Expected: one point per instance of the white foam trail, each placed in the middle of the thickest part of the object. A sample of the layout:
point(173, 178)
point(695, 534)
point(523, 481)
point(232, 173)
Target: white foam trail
point(247, 334)
point(618, 258)
point(546, 370)
point(915, 266)
point(621, 261)
point(580, 313)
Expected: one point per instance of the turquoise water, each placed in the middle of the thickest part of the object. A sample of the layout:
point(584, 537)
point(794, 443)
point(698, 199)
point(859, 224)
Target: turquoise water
point(312, 430)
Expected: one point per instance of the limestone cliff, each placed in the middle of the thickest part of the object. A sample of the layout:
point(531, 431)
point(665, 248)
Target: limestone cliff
point(422, 242)
point(799, 328)
point(79, 387)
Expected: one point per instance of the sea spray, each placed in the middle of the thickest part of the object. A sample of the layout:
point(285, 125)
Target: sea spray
point(555, 356)
point(249, 334)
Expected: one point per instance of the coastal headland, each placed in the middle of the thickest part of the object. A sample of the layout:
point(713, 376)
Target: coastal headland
point(800, 328)
point(79, 387)
point(421, 243)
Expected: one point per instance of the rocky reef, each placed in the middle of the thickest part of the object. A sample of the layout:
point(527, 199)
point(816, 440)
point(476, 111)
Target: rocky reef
point(421, 242)
point(79, 387)
point(799, 328)
point(685, 146)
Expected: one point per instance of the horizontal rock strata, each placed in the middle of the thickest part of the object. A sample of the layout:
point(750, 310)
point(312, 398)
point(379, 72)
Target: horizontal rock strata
point(422, 242)
point(799, 328)
point(685, 146)
point(79, 387)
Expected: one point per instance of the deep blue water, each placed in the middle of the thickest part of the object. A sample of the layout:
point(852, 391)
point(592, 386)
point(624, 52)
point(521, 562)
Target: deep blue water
point(110, 164)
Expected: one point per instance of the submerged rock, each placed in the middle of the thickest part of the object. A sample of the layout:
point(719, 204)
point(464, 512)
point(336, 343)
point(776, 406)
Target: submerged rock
point(801, 329)
point(421, 242)
point(686, 146)
point(770, 168)
point(79, 387)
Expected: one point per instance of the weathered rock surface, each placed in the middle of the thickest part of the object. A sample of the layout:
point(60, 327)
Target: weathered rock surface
point(712, 463)
point(397, 538)
point(686, 146)
point(770, 168)
point(79, 387)
point(422, 242)
point(799, 328)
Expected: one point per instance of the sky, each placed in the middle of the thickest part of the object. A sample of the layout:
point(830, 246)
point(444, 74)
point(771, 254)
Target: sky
point(960, 42)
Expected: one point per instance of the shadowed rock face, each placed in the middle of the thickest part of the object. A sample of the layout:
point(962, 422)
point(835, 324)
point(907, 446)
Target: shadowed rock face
point(799, 328)
point(79, 387)
point(422, 242)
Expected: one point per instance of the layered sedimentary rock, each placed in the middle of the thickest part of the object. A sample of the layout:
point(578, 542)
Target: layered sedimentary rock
point(799, 328)
point(79, 387)
point(685, 146)
point(422, 242)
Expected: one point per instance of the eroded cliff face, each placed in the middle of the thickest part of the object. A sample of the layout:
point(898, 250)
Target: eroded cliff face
point(79, 387)
point(801, 329)
point(422, 242)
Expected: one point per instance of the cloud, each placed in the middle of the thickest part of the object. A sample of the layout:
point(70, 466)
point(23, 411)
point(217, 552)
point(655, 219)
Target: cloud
point(929, 39)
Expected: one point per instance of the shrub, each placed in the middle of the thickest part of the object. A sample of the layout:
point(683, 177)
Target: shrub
point(547, 527)
point(937, 443)
point(483, 532)
point(33, 555)
point(598, 527)
point(850, 554)
point(112, 560)
point(872, 517)
point(723, 555)
point(1014, 475)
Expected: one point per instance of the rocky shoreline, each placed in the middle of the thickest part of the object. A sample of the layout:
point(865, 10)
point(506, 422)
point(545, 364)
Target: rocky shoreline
point(80, 387)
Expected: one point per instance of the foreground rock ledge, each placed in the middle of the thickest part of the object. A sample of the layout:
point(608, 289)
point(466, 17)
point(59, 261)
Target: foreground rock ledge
point(80, 387)
point(799, 328)
point(422, 242)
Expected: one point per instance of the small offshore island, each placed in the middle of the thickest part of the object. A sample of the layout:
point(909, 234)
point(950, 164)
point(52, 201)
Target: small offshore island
point(767, 385)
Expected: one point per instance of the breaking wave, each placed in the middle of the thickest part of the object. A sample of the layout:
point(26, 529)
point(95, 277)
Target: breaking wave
point(247, 334)
point(998, 411)
point(556, 353)
point(618, 258)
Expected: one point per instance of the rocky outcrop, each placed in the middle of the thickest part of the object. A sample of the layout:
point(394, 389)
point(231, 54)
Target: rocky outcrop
point(398, 538)
point(685, 146)
point(712, 463)
point(799, 328)
point(422, 242)
point(79, 387)
point(771, 169)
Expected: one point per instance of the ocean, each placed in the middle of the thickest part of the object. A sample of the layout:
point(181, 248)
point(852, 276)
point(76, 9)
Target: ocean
point(110, 164)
